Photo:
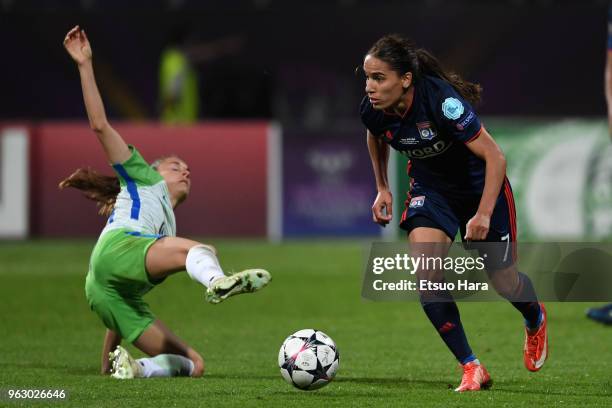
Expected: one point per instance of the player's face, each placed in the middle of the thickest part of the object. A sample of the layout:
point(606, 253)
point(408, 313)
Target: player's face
point(177, 176)
point(384, 86)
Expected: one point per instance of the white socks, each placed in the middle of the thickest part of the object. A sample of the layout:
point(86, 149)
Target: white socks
point(202, 265)
point(166, 365)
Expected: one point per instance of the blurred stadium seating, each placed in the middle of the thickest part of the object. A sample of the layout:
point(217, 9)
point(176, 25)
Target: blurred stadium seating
point(296, 69)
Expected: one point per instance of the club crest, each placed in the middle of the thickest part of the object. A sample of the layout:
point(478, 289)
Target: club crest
point(426, 131)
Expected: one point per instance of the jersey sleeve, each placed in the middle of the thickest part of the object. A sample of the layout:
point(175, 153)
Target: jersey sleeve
point(371, 118)
point(136, 170)
point(457, 117)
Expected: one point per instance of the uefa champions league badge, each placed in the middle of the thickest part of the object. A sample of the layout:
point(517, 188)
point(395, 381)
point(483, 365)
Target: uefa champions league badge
point(452, 108)
point(426, 131)
point(466, 121)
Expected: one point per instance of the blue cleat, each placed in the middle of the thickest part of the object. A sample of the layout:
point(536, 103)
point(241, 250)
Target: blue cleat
point(601, 314)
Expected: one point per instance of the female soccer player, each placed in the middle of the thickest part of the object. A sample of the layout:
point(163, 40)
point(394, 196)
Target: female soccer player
point(603, 314)
point(458, 182)
point(138, 247)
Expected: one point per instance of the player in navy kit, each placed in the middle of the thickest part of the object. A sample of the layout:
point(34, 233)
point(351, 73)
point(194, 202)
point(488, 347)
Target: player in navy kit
point(603, 314)
point(458, 182)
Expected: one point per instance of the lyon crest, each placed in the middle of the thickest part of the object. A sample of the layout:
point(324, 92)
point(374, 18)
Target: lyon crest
point(426, 131)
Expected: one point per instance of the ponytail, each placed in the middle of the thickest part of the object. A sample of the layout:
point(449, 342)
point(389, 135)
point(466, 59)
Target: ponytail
point(429, 65)
point(95, 186)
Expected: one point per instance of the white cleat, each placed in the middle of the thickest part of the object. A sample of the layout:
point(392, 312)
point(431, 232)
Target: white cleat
point(123, 366)
point(250, 280)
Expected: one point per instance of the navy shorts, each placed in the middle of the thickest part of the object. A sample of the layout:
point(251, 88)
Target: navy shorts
point(450, 213)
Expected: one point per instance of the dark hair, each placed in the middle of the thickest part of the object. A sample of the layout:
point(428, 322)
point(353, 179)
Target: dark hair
point(403, 56)
point(99, 187)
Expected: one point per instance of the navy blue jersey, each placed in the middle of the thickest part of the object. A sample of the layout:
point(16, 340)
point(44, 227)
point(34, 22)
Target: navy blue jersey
point(433, 133)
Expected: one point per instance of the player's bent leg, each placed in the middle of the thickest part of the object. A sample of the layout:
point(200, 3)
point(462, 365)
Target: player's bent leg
point(168, 255)
point(442, 310)
point(513, 285)
point(171, 356)
point(517, 288)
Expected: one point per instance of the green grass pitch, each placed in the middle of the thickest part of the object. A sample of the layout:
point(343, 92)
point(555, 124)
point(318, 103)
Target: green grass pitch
point(390, 355)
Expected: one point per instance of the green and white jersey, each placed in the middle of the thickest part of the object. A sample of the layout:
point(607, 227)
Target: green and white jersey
point(143, 204)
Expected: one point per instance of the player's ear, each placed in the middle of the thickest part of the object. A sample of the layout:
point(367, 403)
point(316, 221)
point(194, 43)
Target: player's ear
point(407, 80)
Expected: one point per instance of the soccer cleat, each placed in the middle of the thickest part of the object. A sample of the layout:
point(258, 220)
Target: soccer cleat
point(535, 351)
point(250, 280)
point(123, 366)
point(475, 377)
point(601, 314)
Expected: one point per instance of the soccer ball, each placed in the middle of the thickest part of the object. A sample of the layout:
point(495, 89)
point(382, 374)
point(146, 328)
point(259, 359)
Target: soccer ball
point(308, 359)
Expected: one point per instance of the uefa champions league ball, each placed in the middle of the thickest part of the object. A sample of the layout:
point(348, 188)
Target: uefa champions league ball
point(308, 359)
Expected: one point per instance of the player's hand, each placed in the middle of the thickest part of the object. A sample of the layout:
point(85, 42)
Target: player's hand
point(477, 227)
point(382, 209)
point(77, 45)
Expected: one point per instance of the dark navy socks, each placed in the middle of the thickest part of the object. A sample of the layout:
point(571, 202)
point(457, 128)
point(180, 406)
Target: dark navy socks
point(527, 302)
point(445, 318)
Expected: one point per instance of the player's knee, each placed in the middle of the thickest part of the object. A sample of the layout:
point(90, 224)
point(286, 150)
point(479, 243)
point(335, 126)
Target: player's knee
point(505, 282)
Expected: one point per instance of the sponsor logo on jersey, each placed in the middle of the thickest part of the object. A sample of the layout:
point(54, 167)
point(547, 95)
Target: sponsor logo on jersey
point(437, 148)
point(452, 108)
point(466, 121)
point(426, 131)
point(417, 202)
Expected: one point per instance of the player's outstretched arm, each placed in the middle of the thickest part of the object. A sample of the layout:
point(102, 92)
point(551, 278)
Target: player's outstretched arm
point(77, 45)
point(382, 209)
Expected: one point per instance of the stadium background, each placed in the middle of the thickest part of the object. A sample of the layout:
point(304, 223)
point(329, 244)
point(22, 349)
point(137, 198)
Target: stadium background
point(282, 178)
